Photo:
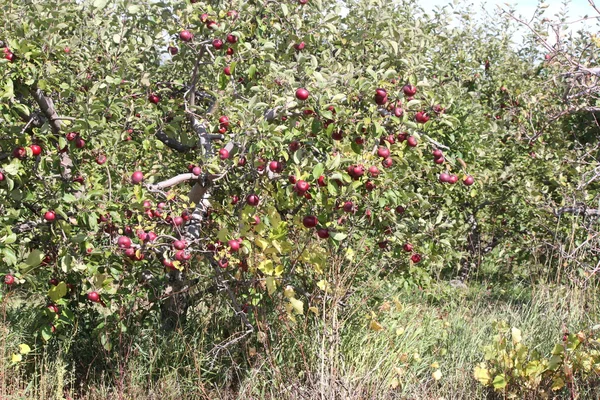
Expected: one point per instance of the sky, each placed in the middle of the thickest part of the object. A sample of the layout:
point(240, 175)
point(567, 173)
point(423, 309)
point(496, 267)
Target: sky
point(576, 8)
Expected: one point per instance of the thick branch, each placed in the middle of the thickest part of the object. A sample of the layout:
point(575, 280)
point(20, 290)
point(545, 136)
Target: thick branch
point(172, 143)
point(47, 106)
point(577, 211)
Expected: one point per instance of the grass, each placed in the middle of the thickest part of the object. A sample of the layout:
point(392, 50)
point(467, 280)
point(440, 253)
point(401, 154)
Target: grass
point(381, 345)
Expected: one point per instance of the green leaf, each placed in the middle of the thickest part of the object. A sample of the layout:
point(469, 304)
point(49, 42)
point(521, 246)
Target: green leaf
point(318, 170)
point(46, 332)
point(10, 257)
point(338, 236)
point(58, 292)
point(66, 263)
point(100, 3)
point(34, 258)
point(284, 9)
point(499, 382)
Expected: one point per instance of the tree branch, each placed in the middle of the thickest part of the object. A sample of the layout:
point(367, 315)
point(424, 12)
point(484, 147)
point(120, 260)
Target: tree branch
point(577, 211)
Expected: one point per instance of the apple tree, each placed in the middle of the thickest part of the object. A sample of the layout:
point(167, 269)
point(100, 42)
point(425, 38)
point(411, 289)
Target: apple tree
point(155, 152)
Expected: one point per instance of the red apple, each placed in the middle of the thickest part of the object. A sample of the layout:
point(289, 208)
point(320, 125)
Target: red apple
point(234, 245)
point(421, 117)
point(9, 279)
point(299, 46)
point(302, 94)
point(252, 200)
point(388, 162)
point(321, 181)
point(196, 171)
point(20, 153)
point(153, 98)
point(381, 96)
point(323, 233)
point(337, 135)
point(437, 153)
point(224, 121)
point(101, 159)
point(124, 242)
point(223, 154)
point(468, 181)
point(232, 38)
point(36, 149)
point(137, 177)
point(186, 35)
point(409, 90)
point(411, 141)
point(302, 186)
point(217, 44)
point(79, 142)
point(275, 166)
point(415, 258)
point(444, 177)
point(94, 297)
point(173, 50)
point(178, 221)
point(310, 221)
point(227, 70)
point(71, 136)
point(294, 146)
point(383, 152)
point(408, 247)
point(348, 206)
point(453, 179)
point(373, 171)
point(49, 216)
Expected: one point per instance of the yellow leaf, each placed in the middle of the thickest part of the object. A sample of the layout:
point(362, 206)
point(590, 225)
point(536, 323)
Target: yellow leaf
point(279, 270)
point(558, 383)
point(274, 217)
point(437, 375)
point(262, 243)
point(482, 374)
point(435, 365)
point(516, 335)
point(297, 305)
point(288, 291)
point(24, 349)
point(276, 245)
point(271, 285)
point(399, 331)
point(375, 326)
point(16, 358)
point(314, 310)
point(395, 383)
point(349, 254)
point(323, 285)
point(266, 267)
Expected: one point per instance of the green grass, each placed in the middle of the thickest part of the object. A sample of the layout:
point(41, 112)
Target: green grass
point(336, 355)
